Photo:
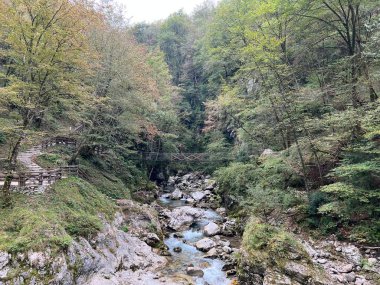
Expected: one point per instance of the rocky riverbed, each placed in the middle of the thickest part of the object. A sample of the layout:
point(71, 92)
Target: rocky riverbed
point(201, 239)
point(182, 238)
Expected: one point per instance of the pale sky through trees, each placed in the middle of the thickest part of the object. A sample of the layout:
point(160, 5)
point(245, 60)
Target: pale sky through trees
point(152, 10)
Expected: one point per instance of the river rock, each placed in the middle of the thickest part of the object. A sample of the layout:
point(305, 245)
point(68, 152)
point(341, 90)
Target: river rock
point(205, 244)
point(211, 229)
point(195, 271)
point(197, 195)
point(221, 211)
point(210, 184)
point(344, 268)
point(212, 253)
point(372, 261)
point(190, 201)
point(183, 216)
point(227, 249)
point(352, 253)
point(298, 271)
point(177, 249)
point(229, 228)
point(152, 239)
point(176, 195)
point(350, 277)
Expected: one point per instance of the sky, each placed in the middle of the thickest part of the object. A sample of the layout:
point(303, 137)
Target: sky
point(152, 10)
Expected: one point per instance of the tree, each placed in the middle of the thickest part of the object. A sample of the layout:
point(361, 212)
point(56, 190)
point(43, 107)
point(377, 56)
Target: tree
point(46, 57)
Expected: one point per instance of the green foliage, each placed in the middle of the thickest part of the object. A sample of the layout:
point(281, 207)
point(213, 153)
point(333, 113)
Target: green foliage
point(105, 181)
point(267, 245)
point(50, 160)
point(3, 138)
point(236, 178)
point(70, 209)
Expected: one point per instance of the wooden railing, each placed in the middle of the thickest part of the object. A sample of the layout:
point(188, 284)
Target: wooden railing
point(36, 178)
point(58, 141)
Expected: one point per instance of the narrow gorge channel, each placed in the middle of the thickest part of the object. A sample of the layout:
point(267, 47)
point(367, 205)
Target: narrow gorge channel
point(200, 239)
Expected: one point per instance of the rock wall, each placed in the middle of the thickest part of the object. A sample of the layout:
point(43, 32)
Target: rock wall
point(112, 257)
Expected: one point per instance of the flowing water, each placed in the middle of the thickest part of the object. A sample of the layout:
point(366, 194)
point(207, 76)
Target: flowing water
point(212, 268)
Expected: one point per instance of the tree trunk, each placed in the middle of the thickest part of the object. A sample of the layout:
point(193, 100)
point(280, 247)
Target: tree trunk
point(12, 160)
point(354, 80)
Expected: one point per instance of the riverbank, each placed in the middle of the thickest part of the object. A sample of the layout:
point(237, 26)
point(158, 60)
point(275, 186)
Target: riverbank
point(183, 237)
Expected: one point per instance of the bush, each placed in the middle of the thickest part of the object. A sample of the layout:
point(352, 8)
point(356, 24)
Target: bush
point(3, 138)
point(236, 178)
point(267, 245)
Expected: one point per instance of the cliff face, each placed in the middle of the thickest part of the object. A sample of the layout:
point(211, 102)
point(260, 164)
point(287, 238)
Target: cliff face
point(112, 257)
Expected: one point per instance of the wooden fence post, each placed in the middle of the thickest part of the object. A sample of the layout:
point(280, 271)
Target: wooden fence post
point(40, 178)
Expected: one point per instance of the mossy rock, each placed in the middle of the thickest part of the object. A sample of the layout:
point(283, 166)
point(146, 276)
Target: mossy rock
point(269, 251)
point(71, 208)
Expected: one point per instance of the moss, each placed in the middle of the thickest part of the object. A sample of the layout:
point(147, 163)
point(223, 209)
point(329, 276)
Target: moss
point(69, 209)
point(266, 245)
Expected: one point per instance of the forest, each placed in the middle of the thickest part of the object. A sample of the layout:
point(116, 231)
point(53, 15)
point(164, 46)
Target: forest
point(281, 95)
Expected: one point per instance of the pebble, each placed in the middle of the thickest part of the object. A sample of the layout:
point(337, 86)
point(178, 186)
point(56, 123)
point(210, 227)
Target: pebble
point(351, 277)
point(321, 260)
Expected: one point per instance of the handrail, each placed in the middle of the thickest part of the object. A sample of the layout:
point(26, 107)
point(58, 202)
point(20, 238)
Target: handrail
point(34, 178)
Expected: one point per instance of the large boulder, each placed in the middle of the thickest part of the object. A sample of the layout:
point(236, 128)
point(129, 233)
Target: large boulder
point(211, 229)
point(197, 195)
point(205, 244)
point(176, 195)
point(181, 217)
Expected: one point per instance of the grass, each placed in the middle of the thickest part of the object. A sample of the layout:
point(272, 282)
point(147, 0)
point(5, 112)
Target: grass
point(104, 181)
point(71, 208)
point(267, 245)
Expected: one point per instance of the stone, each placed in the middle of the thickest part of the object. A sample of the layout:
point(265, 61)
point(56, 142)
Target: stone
point(37, 259)
point(171, 180)
point(4, 259)
point(344, 268)
point(338, 249)
point(350, 277)
point(181, 217)
point(275, 278)
point(190, 201)
point(321, 261)
point(177, 249)
point(205, 244)
point(197, 195)
point(195, 271)
point(152, 239)
point(229, 228)
point(300, 272)
point(227, 249)
point(211, 229)
point(221, 211)
point(267, 152)
point(212, 253)
point(352, 253)
point(176, 195)
point(210, 184)
point(228, 266)
point(372, 261)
